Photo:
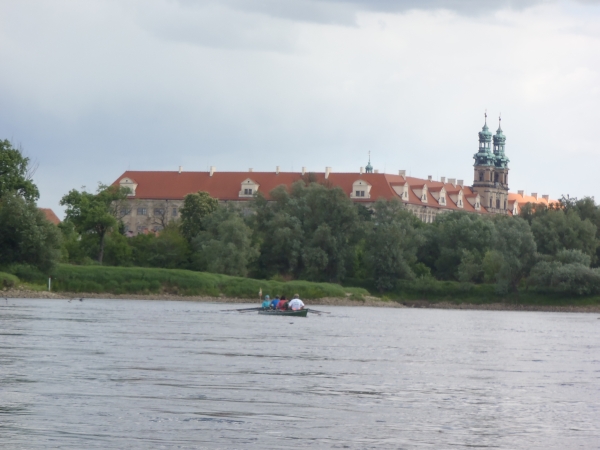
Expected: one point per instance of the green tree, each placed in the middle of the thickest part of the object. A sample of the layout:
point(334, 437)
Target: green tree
point(117, 251)
point(558, 230)
point(94, 214)
point(26, 237)
point(16, 173)
point(392, 243)
point(195, 208)
point(170, 250)
point(515, 243)
point(322, 224)
point(453, 237)
point(225, 244)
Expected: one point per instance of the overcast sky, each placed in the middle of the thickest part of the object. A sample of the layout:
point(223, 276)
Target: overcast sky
point(92, 88)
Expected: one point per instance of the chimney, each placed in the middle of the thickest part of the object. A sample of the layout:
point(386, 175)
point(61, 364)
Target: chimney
point(303, 170)
point(376, 171)
point(429, 178)
point(402, 173)
point(521, 193)
point(534, 195)
point(180, 169)
point(362, 170)
point(452, 181)
point(443, 179)
point(327, 172)
point(460, 182)
point(213, 169)
point(277, 170)
point(546, 197)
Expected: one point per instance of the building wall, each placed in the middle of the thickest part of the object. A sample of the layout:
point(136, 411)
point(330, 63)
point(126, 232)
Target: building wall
point(140, 215)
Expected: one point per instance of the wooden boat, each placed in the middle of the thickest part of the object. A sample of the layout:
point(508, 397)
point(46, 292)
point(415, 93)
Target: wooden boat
point(288, 312)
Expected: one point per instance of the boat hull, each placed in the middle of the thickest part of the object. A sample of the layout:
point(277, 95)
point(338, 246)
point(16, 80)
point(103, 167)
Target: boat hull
point(271, 312)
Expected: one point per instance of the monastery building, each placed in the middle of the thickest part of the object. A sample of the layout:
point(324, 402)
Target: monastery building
point(156, 197)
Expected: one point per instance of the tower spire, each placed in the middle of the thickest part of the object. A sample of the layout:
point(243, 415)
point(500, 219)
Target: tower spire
point(369, 168)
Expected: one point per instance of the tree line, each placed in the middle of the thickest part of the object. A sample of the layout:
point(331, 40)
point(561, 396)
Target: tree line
point(311, 232)
point(316, 233)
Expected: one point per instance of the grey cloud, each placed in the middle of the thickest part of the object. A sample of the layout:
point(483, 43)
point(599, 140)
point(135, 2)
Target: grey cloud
point(343, 12)
point(250, 24)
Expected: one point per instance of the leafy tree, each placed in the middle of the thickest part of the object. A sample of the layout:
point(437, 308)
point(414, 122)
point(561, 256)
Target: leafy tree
point(558, 230)
point(573, 257)
point(94, 214)
point(117, 251)
point(26, 237)
point(16, 173)
point(515, 244)
point(170, 249)
point(452, 237)
point(225, 245)
point(195, 208)
point(323, 226)
point(567, 279)
point(392, 243)
point(143, 249)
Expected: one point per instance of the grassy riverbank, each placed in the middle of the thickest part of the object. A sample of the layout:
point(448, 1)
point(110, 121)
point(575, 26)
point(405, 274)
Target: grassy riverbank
point(138, 282)
point(149, 281)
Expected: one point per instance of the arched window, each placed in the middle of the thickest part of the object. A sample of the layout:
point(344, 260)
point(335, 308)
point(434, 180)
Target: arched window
point(480, 176)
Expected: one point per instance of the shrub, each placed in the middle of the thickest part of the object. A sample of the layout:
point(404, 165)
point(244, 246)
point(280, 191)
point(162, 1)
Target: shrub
point(7, 280)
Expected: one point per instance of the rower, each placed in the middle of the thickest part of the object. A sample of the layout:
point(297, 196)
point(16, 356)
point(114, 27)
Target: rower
point(267, 303)
point(296, 304)
point(283, 304)
point(275, 302)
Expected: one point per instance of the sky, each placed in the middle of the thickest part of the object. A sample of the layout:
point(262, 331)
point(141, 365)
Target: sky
point(91, 89)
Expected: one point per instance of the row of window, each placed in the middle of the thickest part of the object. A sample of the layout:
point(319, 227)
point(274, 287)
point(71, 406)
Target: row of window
point(144, 212)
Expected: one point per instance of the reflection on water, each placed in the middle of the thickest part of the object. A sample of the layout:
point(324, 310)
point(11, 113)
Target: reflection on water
point(145, 375)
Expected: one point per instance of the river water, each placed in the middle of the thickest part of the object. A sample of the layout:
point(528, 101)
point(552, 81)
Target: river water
point(116, 374)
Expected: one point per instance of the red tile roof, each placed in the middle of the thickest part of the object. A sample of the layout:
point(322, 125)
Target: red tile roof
point(50, 216)
point(226, 186)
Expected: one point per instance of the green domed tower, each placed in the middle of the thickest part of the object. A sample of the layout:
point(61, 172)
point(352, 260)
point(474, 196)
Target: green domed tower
point(491, 171)
point(499, 142)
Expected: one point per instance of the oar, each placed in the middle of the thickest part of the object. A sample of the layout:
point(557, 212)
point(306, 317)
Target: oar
point(244, 309)
point(315, 311)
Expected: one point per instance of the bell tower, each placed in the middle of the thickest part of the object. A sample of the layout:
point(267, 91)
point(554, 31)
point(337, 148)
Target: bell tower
point(491, 170)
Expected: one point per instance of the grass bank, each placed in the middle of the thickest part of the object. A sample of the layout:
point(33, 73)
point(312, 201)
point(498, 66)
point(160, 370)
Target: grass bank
point(435, 291)
point(139, 280)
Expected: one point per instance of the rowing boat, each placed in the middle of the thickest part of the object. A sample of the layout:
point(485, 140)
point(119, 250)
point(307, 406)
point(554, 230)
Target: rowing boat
point(275, 312)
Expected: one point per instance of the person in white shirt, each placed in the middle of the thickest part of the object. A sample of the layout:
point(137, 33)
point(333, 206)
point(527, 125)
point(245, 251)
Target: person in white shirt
point(296, 304)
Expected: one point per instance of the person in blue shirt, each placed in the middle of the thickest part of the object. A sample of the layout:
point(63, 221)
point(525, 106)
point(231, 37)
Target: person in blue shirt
point(267, 303)
point(275, 302)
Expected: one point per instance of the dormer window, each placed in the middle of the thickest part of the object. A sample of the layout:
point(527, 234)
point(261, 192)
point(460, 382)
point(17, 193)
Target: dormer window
point(360, 189)
point(248, 188)
point(130, 185)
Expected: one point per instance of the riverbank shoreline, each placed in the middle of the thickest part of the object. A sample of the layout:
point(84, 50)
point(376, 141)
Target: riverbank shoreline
point(328, 301)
